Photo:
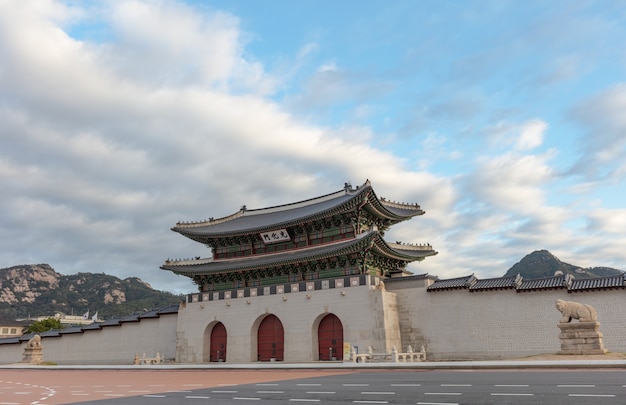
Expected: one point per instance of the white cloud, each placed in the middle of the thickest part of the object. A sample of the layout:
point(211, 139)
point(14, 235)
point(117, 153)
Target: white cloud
point(603, 142)
point(531, 134)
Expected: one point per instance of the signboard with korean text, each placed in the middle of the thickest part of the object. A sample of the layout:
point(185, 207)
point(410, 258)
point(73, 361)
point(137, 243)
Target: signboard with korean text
point(278, 235)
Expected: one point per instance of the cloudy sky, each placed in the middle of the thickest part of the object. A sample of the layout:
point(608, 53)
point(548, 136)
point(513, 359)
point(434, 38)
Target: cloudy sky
point(504, 120)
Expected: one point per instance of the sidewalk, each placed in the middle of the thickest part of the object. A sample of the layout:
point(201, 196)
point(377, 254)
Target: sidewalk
point(529, 363)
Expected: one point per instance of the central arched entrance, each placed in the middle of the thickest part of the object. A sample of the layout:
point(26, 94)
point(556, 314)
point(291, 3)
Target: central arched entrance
point(330, 338)
point(270, 340)
point(217, 351)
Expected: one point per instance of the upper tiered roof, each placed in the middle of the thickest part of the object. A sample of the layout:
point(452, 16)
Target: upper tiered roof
point(246, 221)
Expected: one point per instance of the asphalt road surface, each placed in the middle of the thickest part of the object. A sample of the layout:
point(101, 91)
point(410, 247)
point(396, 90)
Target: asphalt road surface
point(355, 387)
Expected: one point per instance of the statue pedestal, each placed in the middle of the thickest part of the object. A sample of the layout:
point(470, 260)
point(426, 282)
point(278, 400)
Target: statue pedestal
point(581, 338)
point(33, 355)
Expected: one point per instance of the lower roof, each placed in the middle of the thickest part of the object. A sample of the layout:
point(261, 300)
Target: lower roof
point(371, 240)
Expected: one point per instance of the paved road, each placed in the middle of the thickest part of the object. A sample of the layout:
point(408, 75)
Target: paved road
point(351, 387)
point(50, 386)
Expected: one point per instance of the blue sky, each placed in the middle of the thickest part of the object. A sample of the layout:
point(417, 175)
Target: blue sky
point(503, 119)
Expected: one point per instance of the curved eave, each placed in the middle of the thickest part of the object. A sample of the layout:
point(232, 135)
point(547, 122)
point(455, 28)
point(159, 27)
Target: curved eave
point(363, 242)
point(392, 211)
point(246, 222)
point(406, 253)
point(268, 219)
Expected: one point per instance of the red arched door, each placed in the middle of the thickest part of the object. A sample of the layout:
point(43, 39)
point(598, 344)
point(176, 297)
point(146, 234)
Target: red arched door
point(218, 343)
point(271, 339)
point(330, 338)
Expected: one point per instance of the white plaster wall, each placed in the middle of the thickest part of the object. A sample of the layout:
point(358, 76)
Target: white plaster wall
point(457, 324)
point(360, 310)
point(110, 345)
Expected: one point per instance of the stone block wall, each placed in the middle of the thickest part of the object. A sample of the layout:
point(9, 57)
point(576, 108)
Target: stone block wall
point(363, 311)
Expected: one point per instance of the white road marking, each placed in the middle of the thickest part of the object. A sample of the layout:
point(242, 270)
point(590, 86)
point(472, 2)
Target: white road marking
point(406, 385)
point(196, 397)
point(592, 395)
point(456, 385)
point(308, 385)
point(355, 385)
point(266, 384)
point(370, 402)
point(443, 393)
point(247, 398)
point(504, 394)
point(576, 386)
point(224, 392)
point(511, 385)
point(270, 392)
point(321, 392)
point(153, 396)
point(437, 403)
point(377, 393)
point(303, 400)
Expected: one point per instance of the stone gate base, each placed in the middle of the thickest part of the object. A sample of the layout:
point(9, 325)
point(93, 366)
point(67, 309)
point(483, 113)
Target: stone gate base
point(581, 338)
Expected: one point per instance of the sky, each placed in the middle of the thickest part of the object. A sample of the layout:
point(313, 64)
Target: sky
point(503, 119)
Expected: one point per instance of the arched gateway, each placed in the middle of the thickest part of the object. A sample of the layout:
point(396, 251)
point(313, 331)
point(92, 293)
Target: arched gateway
point(271, 339)
point(330, 338)
point(218, 343)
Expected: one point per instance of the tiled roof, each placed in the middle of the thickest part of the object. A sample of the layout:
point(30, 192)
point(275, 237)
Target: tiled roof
point(407, 278)
point(265, 219)
point(93, 326)
point(598, 283)
point(111, 322)
point(173, 309)
point(452, 284)
point(548, 283)
point(71, 330)
point(500, 283)
point(130, 318)
point(51, 333)
point(370, 239)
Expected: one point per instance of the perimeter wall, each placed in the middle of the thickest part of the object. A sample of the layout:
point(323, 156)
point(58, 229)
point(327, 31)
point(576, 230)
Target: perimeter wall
point(499, 324)
point(452, 325)
point(109, 345)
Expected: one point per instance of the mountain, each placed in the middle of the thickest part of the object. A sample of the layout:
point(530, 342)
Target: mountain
point(541, 263)
point(38, 290)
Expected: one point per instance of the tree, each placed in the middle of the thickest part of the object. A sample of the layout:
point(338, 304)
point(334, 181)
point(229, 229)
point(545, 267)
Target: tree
point(42, 326)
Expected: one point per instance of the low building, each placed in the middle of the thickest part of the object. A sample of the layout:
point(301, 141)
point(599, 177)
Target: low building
point(10, 328)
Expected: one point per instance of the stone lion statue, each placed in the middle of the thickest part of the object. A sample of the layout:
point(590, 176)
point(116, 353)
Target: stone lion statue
point(35, 341)
point(575, 310)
